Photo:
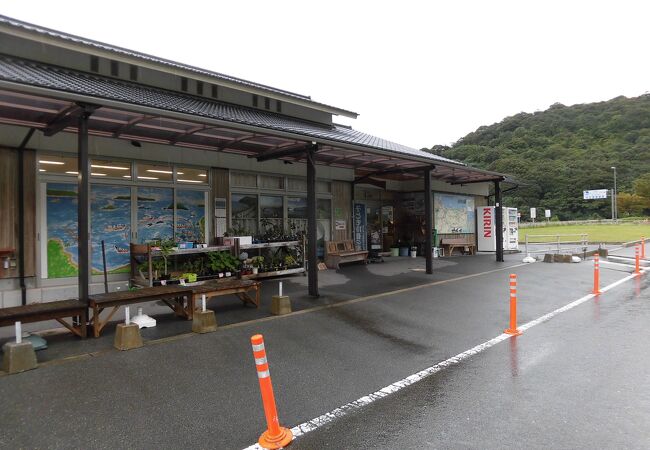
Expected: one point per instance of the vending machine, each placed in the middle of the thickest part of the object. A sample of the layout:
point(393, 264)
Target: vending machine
point(486, 223)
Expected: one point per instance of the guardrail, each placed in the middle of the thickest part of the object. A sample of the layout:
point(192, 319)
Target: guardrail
point(555, 242)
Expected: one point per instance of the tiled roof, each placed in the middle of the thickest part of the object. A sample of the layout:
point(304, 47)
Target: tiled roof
point(154, 59)
point(66, 80)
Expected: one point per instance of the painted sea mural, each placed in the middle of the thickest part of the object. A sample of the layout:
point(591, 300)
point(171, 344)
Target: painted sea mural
point(155, 214)
point(111, 222)
point(62, 243)
point(190, 215)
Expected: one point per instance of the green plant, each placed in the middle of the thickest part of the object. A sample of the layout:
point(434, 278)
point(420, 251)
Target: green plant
point(222, 261)
point(289, 260)
point(257, 261)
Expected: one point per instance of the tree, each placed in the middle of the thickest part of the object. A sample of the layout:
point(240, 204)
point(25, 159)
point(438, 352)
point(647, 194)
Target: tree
point(642, 186)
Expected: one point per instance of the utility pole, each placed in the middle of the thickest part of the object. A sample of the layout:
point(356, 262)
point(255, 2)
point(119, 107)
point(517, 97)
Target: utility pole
point(615, 215)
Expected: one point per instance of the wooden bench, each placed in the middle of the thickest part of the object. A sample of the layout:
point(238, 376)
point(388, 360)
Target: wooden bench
point(215, 288)
point(338, 252)
point(58, 310)
point(450, 244)
point(172, 296)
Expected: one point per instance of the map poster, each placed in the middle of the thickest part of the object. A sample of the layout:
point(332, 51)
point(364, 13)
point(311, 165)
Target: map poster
point(360, 226)
point(453, 213)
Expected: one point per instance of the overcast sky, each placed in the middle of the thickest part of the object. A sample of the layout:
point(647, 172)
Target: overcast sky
point(418, 73)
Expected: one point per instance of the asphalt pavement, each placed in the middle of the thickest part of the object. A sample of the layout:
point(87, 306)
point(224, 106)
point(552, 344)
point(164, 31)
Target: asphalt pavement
point(380, 324)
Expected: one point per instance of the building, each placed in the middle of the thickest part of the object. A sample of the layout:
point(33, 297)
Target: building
point(104, 143)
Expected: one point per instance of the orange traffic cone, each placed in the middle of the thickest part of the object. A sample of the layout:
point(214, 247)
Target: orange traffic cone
point(275, 436)
point(513, 307)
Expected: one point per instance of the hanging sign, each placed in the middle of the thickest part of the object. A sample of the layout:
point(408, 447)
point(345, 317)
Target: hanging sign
point(594, 194)
point(360, 226)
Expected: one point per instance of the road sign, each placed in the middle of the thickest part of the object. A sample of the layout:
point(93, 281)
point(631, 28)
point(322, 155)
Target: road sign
point(547, 213)
point(594, 194)
point(533, 213)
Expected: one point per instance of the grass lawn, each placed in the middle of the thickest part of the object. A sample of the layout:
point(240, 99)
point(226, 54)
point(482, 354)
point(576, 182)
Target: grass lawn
point(623, 232)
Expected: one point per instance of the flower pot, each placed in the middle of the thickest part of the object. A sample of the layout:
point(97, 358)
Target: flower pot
point(255, 270)
point(394, 251)
point(414, 253)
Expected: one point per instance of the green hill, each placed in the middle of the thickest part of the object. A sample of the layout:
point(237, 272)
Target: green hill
point(567, 149)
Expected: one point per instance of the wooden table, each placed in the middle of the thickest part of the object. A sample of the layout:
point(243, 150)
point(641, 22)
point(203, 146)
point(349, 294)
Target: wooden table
point(172, 296)
point(58, 310)
point(215, 288)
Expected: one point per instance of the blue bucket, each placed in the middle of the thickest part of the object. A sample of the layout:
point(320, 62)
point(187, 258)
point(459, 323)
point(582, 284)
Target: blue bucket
point(404, 251)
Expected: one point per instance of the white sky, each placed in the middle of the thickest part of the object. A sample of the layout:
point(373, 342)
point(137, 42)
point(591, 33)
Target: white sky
point(418, 73)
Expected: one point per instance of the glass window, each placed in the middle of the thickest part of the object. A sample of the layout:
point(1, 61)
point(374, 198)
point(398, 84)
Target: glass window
point(271, 212)
point(150, 172)
point(190, 215)
point(323, 187)
point(297, 214)
point(244, 179)
point(190, 175)
point(244, 213)
point(271, 182)
point(297, 184)
point(62, 255)
point(110, 218)
point(58, 165)
point(110, 169)
point(155, 214)
point(297, 207)
point(323, 223)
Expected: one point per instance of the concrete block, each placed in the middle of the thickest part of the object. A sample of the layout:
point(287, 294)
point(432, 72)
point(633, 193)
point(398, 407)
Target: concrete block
point(18, 357)
point(127, 337)
point(548, 258)
point(204, 321)
point(280, 304)
point(11, 298)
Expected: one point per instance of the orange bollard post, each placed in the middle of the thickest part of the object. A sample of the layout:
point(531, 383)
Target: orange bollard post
point(637, 262)
point(275, 436)
point(513, 307)
point(596, 290)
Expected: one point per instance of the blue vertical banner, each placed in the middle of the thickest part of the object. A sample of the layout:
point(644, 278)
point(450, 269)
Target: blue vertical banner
point(360, 226)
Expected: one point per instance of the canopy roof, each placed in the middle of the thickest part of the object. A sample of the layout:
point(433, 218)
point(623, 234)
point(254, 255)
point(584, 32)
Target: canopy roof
point(47, 97)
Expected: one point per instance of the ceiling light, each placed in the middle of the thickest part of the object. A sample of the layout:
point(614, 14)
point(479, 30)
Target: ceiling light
point(190, 181)
point(98, 166)
point(42, 170)
point(98, 174)
point(202, 175)
point(147, 178)
point(56, 163)
point(71, 172)
point(126, 176)
point(180, 173)
point(159, 171)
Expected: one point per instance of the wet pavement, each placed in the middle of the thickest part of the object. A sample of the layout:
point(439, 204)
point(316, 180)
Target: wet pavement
point(577, 381)
point(202, 391)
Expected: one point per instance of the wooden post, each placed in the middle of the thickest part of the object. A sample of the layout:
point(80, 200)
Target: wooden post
point(499, 220)
point(428, 221)
point(312, 234)
point(83, 207)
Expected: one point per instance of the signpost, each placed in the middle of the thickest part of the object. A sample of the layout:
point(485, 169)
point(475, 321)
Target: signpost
point(533, 214)
point(547, 214)
point(596, 194)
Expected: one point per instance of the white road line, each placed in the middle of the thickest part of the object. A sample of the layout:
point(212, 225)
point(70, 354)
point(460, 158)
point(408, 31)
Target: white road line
point(629, 266)
point(341, 411)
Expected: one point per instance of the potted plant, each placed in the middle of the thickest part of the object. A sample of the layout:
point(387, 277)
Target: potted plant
point(289, 261)
point(414, 251)
point(216, 263)
point(257, 262)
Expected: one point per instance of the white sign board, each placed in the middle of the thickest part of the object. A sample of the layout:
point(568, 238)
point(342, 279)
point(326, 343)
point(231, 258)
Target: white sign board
point(533, 213)
point(594, 194)
point(547, 213)
point(486, 236)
